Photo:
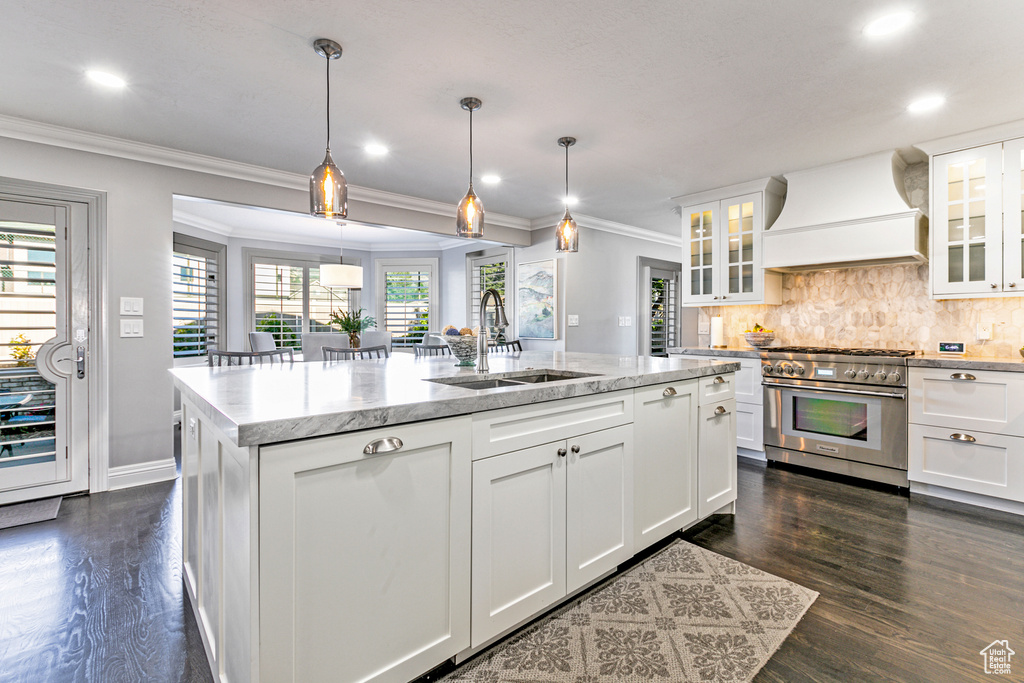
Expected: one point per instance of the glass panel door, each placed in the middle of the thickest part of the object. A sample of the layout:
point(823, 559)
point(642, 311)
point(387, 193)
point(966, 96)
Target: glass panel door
point(741, 246)
point(700, 223)
point(1013, 216)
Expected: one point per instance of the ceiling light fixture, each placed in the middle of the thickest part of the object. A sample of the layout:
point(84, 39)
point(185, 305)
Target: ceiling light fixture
point(341, 274)
point(567, 235)
point(328, 190)
point(469, 219)
point(106, 79)
point(375, 150)
point(926, 104)
point(889, 24)
point(490, 179)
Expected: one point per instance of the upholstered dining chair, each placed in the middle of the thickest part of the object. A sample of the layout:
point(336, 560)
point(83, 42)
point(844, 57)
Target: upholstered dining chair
point(262, 341)
point(215, 358)
point(363, 353)
point(376, 338)
point(312, 342)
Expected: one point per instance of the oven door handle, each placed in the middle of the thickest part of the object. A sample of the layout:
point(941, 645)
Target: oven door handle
point(882, 394)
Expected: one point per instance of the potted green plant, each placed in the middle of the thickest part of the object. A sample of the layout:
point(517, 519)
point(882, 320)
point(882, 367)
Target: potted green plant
point(352, 322)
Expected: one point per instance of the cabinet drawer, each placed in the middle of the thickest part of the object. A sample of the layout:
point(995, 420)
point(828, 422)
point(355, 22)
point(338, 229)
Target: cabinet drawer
point(512, 429)
point(716, 388)
point(992, 464)
point(976, 400)
point(748, 379)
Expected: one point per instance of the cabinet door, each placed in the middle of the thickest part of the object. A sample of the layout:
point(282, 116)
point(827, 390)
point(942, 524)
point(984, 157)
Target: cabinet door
point(740, 242)
point(518, 537)
point(599, 504)
point(750, 426)
point(989, 464)
point(700, 226)
point(967, 231)
point(1013, 212)
point(664, 460)
point(716, 463)
point(365, 559)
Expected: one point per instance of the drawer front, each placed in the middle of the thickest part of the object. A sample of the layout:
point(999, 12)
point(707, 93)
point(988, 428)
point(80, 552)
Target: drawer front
point(512, 429)
point(970, 399)
point(716, 388)
point(992, 464)
point(750, 426)
point(748, 379)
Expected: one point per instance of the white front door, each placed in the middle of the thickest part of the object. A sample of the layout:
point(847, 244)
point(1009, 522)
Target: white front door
point(43, 333)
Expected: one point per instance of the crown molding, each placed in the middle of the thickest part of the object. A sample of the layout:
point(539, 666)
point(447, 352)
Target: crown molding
point(610, 226)
point(96, 143)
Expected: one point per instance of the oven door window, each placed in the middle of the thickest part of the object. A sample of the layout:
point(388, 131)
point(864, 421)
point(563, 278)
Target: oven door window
point(818, 416)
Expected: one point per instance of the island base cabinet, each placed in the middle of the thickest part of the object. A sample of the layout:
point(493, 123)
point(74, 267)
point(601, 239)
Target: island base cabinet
point(664, 460)
point(716, 456)
point(365, 558)
point(547, 520)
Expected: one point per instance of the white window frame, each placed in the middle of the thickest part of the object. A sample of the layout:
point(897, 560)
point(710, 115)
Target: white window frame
point(384, 265)
point(187, 244)
point(484, 258)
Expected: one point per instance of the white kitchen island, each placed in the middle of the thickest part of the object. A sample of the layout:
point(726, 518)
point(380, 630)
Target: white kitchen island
point(353, 521)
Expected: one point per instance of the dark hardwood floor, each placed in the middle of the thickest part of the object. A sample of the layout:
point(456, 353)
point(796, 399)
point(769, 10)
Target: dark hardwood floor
point(911, 589)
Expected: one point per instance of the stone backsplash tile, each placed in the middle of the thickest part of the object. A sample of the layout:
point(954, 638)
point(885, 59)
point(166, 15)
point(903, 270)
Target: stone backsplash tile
point(879, 307)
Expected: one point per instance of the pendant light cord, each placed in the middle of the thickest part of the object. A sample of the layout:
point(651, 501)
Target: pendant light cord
point(328, 103)
point(471, 147)
point(567, 176)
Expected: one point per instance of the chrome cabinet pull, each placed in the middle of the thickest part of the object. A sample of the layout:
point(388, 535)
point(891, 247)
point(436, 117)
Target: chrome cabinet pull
point(388, 444)
point(995, 286)
point(719, 379)
point(962, 375)
point(720, 410)
point(962, 437)
point(670, 391)
point(575, 449)
point(1013, 284)
point(562, 452)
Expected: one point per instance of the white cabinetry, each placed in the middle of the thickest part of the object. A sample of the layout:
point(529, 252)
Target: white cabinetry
point(967, 432)
point(722, 251)
point(749, 403)
point(716, 460)
point(547, 519)
point(364, 559)
point(977, 237)
point(664, 462)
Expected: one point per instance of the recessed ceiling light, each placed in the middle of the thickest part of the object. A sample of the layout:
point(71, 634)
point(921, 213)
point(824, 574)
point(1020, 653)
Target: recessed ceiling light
point(104, 78)
point(926, 104)
point(571, 201)
point(375, 150)
point(889, 24)
point(490, 179)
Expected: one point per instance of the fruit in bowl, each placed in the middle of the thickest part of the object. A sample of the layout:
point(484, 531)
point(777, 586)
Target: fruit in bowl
point(759, 336)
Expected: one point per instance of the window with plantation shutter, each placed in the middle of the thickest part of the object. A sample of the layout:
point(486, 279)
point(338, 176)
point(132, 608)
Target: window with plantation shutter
point(406, 298)
point(488, 270)
point(663, 311)
point(288, 299)
point(196, 297)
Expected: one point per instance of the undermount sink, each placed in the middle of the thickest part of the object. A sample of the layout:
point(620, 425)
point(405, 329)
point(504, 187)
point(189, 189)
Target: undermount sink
point(510, 379)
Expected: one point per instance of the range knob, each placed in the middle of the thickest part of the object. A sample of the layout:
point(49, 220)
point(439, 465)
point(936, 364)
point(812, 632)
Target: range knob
point(894, 377)
point(798, 369)
point(778, 369)
point(851, 373)
point(767, 370)
point(863, 374)
point(880, 375)
point(787, 368)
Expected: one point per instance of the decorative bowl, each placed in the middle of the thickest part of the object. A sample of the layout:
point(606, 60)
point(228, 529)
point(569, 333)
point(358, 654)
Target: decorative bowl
point(463, 347)
point(759, 339)
point(1021, 351)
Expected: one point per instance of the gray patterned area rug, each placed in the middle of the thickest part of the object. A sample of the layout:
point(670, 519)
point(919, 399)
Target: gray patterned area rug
point(684, 614)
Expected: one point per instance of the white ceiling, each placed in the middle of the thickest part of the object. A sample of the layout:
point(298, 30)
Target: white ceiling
point(665, 97)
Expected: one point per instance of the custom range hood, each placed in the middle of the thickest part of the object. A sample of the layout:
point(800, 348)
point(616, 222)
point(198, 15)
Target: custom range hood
point(853, 213)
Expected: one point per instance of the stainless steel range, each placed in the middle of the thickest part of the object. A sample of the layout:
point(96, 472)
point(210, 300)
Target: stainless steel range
point(840, 410)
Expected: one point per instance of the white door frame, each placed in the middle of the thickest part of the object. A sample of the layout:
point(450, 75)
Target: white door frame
point(98, 354)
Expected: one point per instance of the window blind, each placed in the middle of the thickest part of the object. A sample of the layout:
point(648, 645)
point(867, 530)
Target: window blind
point(663, 311)
point(279, 301)
point(196, 301)
point(486, 272)
point(406, 305)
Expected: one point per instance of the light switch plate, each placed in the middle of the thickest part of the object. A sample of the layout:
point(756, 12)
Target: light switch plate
point(704, 328)
point(131, 327)
point(131, 305)
point(574, 321)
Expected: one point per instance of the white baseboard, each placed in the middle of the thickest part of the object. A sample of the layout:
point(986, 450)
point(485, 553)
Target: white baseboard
point(143, 473)
point(967, 497)
point(753, 455)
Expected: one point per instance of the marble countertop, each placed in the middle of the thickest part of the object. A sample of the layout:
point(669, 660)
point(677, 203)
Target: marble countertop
point(729, 351)
point(256, 405)
point(934, 360)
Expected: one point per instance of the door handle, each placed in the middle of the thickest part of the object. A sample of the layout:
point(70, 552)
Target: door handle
point(575, 449)
point(562, 452)
point(80, 362)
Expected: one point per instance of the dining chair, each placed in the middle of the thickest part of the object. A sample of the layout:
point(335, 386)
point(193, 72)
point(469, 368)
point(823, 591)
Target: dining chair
point(215, 358)
point(505, 346)
point(262, 341)
point(312, 342)
point(362, 353)
point(376, 338)
point(431, 350)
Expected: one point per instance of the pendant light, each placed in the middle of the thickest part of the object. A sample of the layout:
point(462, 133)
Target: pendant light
point(328, 190)
point(469, 219)
point(567, 235)
point(341, 274)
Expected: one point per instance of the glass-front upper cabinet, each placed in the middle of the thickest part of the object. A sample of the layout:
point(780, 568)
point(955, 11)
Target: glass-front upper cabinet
point(1013, 215)
point(722, 244)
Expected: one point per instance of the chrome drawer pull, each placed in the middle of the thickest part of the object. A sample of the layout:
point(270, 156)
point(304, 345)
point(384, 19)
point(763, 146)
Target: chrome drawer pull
point(962, 437)
point(720, 410)
point(388, 444)
point(719, 380)
point(962, 375)
point(671, 391)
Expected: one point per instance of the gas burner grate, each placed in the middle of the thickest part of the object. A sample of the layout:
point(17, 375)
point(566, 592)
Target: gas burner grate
point(834, 351)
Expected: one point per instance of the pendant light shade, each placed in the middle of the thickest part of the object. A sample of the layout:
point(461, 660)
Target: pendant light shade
point(567, 235)
point(328, 189)
point(469, 219)
point(341, 275)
